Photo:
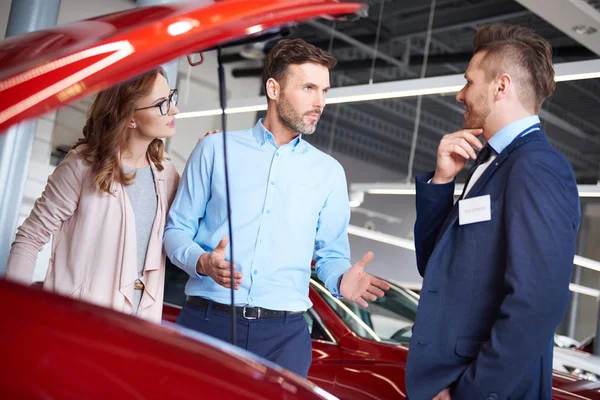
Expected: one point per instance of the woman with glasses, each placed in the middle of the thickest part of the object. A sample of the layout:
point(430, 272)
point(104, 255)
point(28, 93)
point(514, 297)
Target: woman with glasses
point(105, 205)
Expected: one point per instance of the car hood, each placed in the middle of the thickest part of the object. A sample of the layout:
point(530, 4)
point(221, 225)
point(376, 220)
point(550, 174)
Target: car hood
point(44, 70)
point(71, 349)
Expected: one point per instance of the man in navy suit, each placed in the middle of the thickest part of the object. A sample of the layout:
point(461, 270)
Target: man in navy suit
point(497, 264)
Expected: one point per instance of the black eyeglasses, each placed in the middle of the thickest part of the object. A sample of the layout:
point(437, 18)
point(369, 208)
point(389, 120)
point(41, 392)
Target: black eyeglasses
point(165, 105)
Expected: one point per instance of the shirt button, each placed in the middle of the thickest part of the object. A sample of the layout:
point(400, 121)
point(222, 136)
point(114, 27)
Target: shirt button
point(267, 212)
point(272, 182)
point(262, 241)
point(277, 154)
point(255, 272)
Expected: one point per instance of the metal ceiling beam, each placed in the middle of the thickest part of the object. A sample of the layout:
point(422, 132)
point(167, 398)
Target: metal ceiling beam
point(393, 133)
point(447, 21)
point(366, 148)
point(460, 17)
point(356, 43)
point(569, 122)
point(571, 53)
point(581, 88)
point(405, 110)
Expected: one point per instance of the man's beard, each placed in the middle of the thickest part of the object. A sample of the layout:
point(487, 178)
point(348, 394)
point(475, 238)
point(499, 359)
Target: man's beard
point(292, 120)
point(476, 119)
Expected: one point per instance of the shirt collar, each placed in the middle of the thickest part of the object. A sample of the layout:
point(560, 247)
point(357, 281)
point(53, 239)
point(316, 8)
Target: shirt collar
point(262, 135)
point(506, 135)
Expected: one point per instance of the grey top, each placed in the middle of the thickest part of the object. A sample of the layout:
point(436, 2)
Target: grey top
point(143, 200)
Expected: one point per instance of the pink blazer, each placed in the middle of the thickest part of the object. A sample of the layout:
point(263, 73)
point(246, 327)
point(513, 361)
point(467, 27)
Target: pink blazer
point(94, 250)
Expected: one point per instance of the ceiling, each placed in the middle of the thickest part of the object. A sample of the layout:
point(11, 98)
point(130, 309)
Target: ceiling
point(381, 132)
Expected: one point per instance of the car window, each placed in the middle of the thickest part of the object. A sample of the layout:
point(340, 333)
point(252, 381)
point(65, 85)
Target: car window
point(316, 328)
point(388, 318)
point(351, 319)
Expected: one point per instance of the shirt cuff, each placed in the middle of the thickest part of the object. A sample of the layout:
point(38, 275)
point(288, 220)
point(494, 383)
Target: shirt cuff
point(337, 293)
point(334, 286)
point(192, 261)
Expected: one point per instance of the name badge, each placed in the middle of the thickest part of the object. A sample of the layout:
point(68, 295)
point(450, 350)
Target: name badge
point(477, 209)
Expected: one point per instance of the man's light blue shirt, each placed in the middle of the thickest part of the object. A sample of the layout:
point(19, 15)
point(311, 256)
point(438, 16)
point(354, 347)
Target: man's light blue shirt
point(506, 135)
point(287, 203)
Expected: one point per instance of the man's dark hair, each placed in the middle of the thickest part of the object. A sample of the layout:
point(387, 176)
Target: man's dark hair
point(524, 53)
point(293, 51)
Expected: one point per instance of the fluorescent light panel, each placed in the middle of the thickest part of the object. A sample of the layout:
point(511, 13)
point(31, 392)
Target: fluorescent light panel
point(388, 90)
point(577, 70)
point(573, 287)
point(409, 189)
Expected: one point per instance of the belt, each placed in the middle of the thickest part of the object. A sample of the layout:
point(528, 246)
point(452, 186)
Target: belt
point(245, 311)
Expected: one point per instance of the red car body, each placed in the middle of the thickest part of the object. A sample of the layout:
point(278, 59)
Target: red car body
point(53, 347)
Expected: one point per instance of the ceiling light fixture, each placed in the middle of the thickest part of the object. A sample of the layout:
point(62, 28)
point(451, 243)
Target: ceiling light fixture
point(588, 191)
point(584, 30)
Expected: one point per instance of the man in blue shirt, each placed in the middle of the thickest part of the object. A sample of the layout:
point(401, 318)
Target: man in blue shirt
point(497, 263)
point(289, 201)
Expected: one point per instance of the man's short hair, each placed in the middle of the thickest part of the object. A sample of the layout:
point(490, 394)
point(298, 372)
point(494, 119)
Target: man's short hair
point(293, 51)
point(523, 53)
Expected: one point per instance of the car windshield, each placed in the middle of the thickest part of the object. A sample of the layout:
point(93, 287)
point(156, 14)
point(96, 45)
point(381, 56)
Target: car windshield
point(389, 318)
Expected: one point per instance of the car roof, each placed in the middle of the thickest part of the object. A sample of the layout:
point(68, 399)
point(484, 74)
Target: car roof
point(45, 70)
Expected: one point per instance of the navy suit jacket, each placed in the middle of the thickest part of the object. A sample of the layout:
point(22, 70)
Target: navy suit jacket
point(495, 291)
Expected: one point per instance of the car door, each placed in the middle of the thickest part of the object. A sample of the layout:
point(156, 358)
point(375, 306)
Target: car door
point(326, 353)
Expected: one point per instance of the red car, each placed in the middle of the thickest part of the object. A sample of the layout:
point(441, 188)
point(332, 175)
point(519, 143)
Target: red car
point(53, 347)
point(57, 348)
point(361, 354)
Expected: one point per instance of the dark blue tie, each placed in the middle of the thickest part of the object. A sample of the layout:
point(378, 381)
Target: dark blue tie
point(483, 157)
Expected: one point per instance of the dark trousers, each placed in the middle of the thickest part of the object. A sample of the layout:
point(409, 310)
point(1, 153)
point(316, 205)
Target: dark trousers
point(284, 340)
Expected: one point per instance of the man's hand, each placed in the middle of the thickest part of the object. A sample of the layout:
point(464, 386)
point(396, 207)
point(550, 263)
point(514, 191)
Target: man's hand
point(454, 151)
point(214, 265)
point(443, 395)
point(358, 286)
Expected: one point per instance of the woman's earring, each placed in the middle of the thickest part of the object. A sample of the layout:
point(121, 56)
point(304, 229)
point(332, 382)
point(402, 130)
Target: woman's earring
point(134, 126)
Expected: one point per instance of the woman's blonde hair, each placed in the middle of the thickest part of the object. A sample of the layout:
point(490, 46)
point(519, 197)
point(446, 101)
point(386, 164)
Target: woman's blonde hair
point(106, 131)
